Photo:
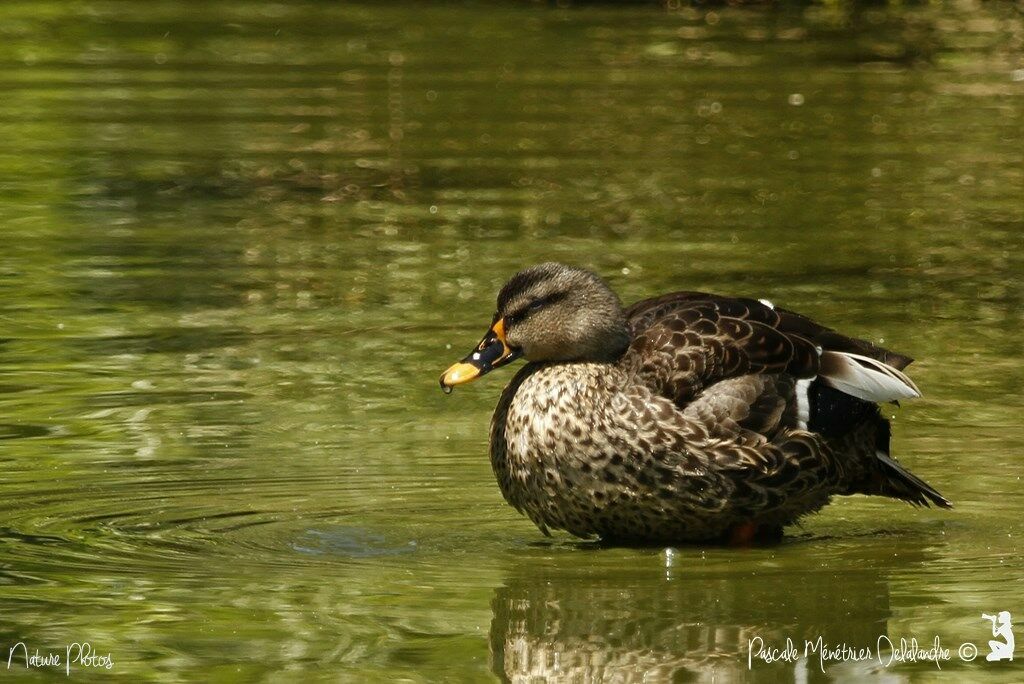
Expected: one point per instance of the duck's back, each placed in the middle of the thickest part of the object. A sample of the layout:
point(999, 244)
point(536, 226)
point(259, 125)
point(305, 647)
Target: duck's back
point(753, 372)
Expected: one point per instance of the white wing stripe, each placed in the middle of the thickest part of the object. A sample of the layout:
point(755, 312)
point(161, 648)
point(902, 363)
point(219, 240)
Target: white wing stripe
point(803, 404)
point(865, 378)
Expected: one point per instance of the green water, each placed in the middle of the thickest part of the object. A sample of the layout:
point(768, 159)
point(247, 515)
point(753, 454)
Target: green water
point(241, 240)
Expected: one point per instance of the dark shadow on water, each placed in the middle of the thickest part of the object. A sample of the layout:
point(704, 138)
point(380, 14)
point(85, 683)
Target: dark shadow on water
point(350, 542)
point(23, 431)
point(790, 539)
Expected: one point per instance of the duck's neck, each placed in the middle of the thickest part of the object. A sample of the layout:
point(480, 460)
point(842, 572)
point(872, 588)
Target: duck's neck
point(614, 346)
point(604, 346)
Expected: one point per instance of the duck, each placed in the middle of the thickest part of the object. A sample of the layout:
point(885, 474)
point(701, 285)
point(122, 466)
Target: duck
point(684, 418)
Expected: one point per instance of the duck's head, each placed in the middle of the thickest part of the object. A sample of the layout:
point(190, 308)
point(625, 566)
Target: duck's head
point(549, 312)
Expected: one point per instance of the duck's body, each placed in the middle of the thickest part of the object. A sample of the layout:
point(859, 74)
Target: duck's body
point(690, 417)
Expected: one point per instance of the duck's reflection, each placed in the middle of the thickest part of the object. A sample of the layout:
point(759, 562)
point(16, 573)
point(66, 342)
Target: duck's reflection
point(586, 617)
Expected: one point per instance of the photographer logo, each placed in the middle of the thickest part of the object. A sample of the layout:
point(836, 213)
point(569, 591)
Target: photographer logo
point(1001, 627)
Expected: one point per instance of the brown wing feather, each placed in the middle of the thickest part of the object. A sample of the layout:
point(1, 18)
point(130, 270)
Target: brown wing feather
point(753, 407)
point(646, 312)
point(685, 342)
point(792, 323)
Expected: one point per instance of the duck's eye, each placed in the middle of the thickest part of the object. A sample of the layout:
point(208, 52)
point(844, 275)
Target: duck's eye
point(531, 308)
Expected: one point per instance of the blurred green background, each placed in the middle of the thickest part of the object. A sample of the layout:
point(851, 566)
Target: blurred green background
point(242, 240)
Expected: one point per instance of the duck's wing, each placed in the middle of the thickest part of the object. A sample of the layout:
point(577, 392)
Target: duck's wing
point(773, 387)
point(685, 343)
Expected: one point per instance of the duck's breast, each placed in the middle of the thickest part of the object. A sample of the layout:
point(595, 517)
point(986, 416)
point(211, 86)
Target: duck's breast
point(563, 442)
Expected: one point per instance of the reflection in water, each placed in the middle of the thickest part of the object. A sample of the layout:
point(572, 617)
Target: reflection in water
point(581, 622)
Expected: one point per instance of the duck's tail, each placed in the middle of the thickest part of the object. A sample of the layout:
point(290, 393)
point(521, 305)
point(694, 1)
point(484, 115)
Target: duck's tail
point(864, 382)
point(889, 478)
point(899, 483)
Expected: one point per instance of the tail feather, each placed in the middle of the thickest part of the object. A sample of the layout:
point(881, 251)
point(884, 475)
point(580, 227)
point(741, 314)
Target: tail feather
point(896, 481)
point(865, 378)
point(884, 476)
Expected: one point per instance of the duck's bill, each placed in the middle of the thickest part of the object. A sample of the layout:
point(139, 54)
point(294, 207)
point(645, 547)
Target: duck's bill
point(491, 353)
